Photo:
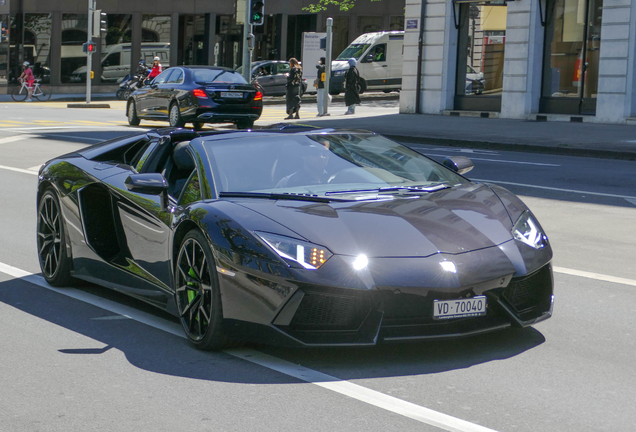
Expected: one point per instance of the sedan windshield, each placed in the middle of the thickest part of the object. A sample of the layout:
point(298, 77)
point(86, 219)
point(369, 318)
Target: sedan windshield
point(217, 76)
point(353, 51)
point(326, 165)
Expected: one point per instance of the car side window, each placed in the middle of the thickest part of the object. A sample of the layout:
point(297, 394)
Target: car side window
point(163, 77)
point(282, 68)
point(192, 192)
point(176, 77)
point(379, 53)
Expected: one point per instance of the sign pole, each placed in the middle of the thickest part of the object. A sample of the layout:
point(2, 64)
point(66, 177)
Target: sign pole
point(247, 52)
point(328, 54)
point(89, 55)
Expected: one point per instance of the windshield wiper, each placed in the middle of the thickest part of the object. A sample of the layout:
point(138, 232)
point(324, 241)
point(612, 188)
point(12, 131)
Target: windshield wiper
point(433, 188)
point(280, 196)
point(222, 72)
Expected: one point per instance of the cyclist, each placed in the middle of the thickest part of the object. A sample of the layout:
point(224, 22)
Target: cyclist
point(27, 75)
point(156, 69)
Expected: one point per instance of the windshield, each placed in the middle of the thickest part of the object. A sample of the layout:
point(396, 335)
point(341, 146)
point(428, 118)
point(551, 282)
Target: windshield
point(217, 75)
point(322, 165)
point(353, 51)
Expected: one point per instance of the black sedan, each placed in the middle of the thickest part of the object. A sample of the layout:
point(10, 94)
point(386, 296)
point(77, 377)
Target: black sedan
point(300, 237)
point(197, 95)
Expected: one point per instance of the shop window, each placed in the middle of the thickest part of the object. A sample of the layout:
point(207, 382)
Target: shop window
point(73, 60)
point(397, 22)
point(367, 24)
point(116, 48)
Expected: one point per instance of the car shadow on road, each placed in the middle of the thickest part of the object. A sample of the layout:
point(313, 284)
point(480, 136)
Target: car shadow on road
point(157, 351)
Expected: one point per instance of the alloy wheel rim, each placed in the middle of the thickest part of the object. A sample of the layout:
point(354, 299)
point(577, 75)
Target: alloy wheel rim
point(174, 115)
point(194, 289)
point(49, 236)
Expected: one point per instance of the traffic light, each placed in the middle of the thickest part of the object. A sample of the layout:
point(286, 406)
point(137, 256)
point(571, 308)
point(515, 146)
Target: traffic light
point(257, 12)
point(89, 47)
point(99, 22)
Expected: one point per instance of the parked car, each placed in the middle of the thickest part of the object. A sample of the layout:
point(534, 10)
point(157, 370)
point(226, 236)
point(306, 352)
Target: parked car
point(294, 236)
point(197, 95)
point(271, 75)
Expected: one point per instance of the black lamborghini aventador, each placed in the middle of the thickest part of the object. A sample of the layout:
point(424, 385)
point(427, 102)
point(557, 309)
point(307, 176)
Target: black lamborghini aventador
point(306, 237)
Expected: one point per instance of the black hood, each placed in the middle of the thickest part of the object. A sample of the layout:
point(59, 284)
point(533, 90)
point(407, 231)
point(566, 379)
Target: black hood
point(453, 221)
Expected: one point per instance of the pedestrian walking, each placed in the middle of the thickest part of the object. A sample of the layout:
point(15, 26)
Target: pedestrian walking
point(352, 87)
point(294, 81)
point(320, 87)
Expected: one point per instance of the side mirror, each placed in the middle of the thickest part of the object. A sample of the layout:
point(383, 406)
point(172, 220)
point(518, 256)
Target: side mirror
point(149, 184)
point(368, 58)
point(459, 164)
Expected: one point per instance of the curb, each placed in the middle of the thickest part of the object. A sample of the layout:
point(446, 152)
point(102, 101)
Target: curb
point(559, 149)
point(88, 105)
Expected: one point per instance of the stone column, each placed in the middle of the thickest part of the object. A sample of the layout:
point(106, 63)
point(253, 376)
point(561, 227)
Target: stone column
point(616, 82)
point(523, 60)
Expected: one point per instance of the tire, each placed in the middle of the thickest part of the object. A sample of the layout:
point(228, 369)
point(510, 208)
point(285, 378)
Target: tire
point(17, 96)
point(244, 124)
point(197, 294)
point(121, 94)
point(363, 86)
point(174, 116)
point(133, 119)
point(44, 94)
point(197, 125)
point(54, 262)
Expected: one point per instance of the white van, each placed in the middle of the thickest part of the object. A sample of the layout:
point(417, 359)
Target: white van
point(116, 60)
point(379, 57)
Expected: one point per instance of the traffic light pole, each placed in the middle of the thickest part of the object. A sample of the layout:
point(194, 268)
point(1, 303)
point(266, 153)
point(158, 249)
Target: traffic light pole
point(247, 52)
point(89, 55)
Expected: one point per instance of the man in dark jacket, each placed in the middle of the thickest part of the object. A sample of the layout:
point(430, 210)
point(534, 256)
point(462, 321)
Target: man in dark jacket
point(352, 87)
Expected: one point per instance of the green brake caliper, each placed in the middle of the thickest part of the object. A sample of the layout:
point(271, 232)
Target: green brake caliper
point(193, 285)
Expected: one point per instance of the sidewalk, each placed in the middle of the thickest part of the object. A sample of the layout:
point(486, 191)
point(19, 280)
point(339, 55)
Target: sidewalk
point(555, 137)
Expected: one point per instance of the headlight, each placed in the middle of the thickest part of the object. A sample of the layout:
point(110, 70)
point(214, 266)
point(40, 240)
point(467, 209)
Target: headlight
point(339, 72)
point(527, 231)
point(308, 255)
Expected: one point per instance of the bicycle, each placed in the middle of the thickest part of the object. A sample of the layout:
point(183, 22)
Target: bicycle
point(40, 92)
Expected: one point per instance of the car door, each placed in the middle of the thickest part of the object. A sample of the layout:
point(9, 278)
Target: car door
point(171, 89)
point(266, 79)
point(280, 79)
point(149, 97)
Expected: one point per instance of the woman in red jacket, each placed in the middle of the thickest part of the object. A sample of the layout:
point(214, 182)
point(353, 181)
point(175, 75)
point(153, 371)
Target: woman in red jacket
point(156, 69)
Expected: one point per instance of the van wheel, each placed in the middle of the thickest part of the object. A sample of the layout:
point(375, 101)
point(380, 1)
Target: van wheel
point(363, 85)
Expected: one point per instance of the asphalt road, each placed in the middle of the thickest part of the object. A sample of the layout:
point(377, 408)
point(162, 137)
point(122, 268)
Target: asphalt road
point(86, 359)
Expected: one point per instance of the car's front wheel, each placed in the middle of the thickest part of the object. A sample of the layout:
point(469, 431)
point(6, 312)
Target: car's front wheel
point(174, 116)
point(133, 119)
point(54, 262)
point(197, 294)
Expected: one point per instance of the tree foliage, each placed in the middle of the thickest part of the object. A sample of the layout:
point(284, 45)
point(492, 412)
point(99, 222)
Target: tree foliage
point(321, 5)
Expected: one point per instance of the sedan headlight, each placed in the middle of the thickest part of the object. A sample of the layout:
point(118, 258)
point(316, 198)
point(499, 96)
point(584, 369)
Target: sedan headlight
point(528, 231)
point(308, 255)
point(339, 72)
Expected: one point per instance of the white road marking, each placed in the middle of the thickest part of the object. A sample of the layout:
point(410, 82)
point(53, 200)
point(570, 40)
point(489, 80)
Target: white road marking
point(627, 197)
point(595, 276)
point(20, 170)
point(354, 391)
point(15, 138)
point(499, 160)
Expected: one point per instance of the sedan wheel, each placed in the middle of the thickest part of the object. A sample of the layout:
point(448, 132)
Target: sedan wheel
point(54, 262)
point(175, 116)
point(197, 294)
point(133, 119)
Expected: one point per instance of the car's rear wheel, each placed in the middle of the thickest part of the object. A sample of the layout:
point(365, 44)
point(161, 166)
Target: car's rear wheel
point(54, 262)
point(174, 116)
point(197, 125)
point(245, 124)
point(197, 294)
point(133, 119)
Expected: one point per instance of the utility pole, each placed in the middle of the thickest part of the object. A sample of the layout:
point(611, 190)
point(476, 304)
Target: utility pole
point(328, 64)
point(89, 55)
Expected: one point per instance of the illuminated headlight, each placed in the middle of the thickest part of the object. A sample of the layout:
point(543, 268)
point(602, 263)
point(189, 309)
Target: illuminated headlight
point(339, 72)
point(528, 231)
point(308, 255)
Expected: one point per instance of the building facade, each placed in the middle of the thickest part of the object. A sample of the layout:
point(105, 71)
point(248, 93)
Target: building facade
point(522, 59)
point(50, 33)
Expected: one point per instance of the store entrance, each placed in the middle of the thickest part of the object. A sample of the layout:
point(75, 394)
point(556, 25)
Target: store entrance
point(571, 56)
point(480, 55)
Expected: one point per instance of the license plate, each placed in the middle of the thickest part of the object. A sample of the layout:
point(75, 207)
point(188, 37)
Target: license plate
point(232, 95)
point(459, 308)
